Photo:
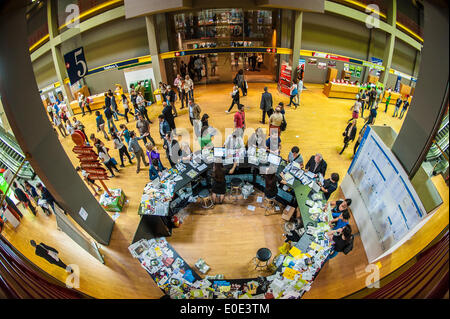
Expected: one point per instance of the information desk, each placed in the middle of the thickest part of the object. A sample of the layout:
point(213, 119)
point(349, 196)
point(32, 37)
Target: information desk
point(96, 102)
point(340, 90)
point(295, 268)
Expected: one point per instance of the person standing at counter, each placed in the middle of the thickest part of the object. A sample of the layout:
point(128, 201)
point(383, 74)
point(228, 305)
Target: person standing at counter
point(273, 143)
point(342, 241)
point(266, 105)
point(173, 150)
point(234, 141)
point(316, 165)
point(257, 139)
point(134, 147)
point(205, 138)
point(219, 185)
point(155, 170)
point(270, 188)
point(340, 222)
point(275, 120)
point(405, 107)
point(168, 116)
point(295, 156)
point(329, 185)
point(339, 206)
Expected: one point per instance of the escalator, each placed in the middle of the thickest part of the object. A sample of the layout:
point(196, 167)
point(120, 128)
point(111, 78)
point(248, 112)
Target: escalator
point(437, 156)
point(11, 156)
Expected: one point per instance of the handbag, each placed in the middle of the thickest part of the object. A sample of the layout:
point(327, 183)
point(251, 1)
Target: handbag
point(283, 125)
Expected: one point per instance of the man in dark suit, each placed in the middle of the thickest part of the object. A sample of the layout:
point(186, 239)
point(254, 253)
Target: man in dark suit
point(50, 254)
point(266, 105)
point(316, 165)
point(22, 197)
point(168, 116)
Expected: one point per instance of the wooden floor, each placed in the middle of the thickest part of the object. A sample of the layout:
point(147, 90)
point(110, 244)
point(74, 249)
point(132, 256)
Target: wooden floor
point(228, 236)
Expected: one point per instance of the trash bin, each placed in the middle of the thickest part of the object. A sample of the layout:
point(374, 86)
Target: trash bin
point(158, 96)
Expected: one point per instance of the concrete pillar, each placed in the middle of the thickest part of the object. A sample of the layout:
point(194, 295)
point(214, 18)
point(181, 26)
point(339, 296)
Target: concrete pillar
point(390, 42)
point(57, 56)
point(157, 64)
point(431, 93)
point(33, 131)
point(298, 24)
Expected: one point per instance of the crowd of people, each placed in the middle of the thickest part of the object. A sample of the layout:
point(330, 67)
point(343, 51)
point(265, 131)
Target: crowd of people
point(180, 95)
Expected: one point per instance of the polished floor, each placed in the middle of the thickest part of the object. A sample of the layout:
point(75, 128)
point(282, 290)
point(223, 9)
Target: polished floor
point(227, 236)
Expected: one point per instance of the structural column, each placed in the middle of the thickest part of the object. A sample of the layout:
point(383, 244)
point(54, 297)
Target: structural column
point(298, 23)
point(390, 42)
point(57, 57)
point(157, 65)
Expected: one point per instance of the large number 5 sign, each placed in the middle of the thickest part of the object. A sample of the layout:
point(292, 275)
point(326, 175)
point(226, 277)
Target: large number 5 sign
point(75, 64)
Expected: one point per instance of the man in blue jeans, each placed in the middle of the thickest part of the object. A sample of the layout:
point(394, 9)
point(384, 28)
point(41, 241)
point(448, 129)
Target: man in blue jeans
point(109, 118)
point(405, 107)
point(398, 103)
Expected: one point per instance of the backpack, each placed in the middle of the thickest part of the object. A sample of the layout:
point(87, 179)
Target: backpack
point(283, 125)
point(349, 246)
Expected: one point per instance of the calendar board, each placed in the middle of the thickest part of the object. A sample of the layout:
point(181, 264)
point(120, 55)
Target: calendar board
point(385, 205)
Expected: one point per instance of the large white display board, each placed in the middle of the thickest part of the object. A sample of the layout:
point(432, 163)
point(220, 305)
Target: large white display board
point(385, 205)
point(137, 74)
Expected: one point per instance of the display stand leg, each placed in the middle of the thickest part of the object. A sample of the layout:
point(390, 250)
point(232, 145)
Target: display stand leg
point(105, 187)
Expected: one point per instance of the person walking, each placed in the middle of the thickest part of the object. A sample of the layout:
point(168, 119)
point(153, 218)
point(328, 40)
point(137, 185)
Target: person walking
point(45, 195)
point(69, 128)
point(372, 98)
point(356, 107)
point(50, 254)
point(80, 127)
point(121, 148)
point(293, 93)
point(126, 107)
point(133, 97)
point(101, 124)
point(22, 197)
point(114, 106)
point(143, 127)
point(107, 160)
point(108, 104)
point(266, 105)
point(235, 98)
point(194, 111)
point(239, 82)
point(349, 134)
point(58, 123)
point(398, 103)
point(405, 107)
point(50, 111)
point(135, 148)
point(364, 101)
point(183, 69)
point(168, 116)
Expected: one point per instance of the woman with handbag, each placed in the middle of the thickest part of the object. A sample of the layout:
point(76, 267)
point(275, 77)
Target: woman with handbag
point(109, 162)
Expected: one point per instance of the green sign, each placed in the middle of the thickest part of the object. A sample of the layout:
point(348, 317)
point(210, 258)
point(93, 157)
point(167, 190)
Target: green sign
point(4, 187)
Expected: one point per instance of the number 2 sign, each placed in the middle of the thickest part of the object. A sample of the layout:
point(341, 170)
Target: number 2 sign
point(75, 64)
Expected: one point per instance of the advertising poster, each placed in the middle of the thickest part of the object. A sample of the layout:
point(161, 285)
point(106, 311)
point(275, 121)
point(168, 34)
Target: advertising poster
point(322, 65)
point(332, 64)
point(312, 61)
